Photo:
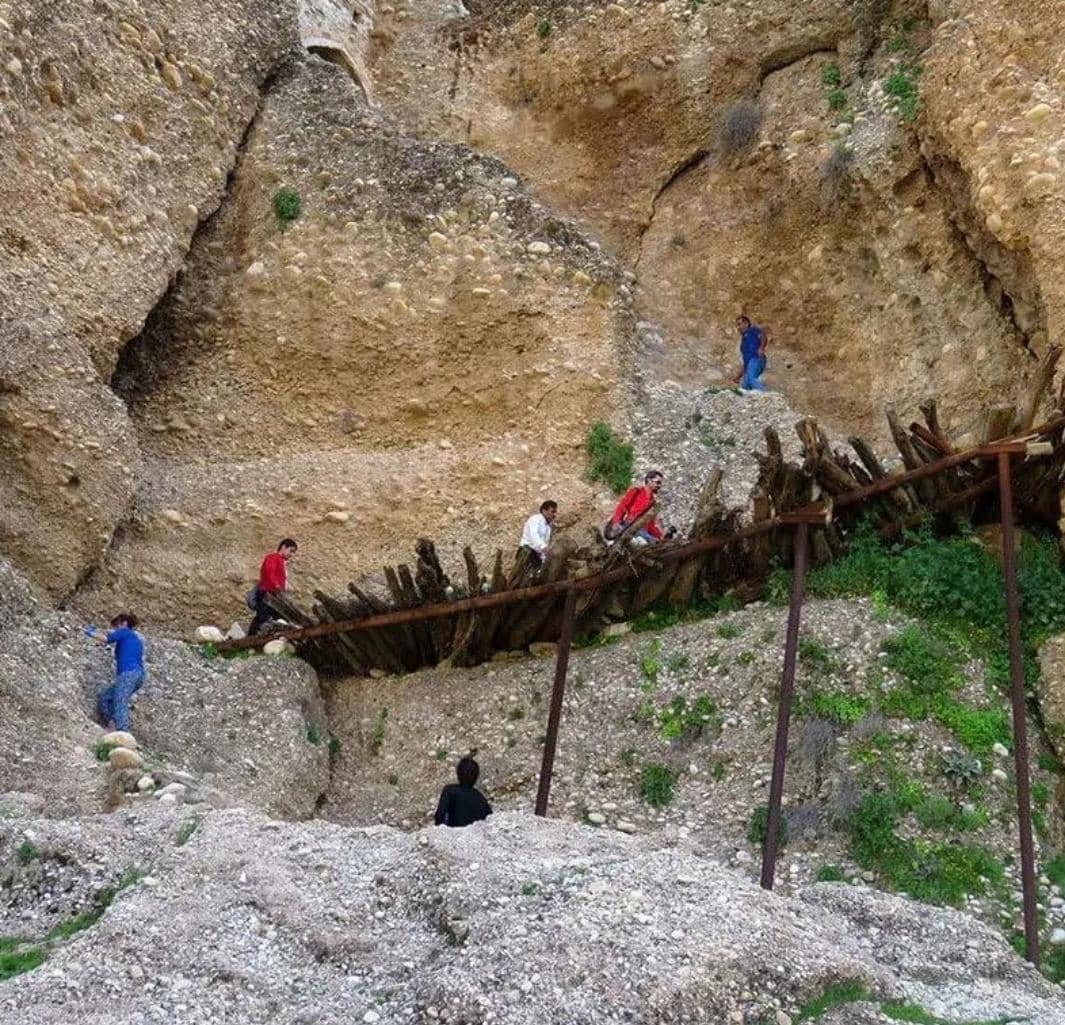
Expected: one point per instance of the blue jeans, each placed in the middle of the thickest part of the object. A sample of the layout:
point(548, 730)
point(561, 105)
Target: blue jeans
point(752, 372)
point(113, 702)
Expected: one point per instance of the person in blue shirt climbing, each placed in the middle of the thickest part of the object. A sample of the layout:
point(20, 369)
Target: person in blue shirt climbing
point(753, 341)
point(112, 702)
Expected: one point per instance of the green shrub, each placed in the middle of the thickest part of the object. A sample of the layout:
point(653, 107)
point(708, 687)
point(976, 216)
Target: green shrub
point(758, 826)
point(838, 706)
point(656, 784)
point(314, 736)
point(680, 719)
point(543, 28)
point(186, 830)
point(334, 750)
point(1055, 871)
point(830, 874)
point(287, 207)
point(901, 87)
point(837, 100)
point(962, 769)
point(610, 460)
point(830, 75)
point(26, 853)
point(103, 750)
point(923, 661)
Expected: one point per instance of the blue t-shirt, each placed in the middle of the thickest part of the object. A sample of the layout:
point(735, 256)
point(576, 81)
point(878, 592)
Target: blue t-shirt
point(129, 650)
point(750, 343)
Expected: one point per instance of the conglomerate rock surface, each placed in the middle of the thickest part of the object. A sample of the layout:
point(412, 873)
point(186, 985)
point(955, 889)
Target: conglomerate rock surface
point(120, 123)
point(421, 331)
point(516, 920)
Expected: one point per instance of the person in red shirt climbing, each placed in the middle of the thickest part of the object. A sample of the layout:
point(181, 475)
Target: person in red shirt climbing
point(273, 579)
point(634, 503)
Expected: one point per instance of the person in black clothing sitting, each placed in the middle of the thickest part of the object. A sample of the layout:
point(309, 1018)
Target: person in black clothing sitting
point(462, 803)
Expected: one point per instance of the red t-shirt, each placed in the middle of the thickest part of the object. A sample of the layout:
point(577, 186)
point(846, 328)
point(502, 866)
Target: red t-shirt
point(634, 503)
point(273, 574)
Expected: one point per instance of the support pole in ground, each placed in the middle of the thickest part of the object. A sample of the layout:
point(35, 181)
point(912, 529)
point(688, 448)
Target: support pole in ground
point(1020, 729)
point(554, 715)
point(787, 691)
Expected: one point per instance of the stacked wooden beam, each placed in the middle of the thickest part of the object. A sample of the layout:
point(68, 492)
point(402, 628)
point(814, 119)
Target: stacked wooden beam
point(641, 577)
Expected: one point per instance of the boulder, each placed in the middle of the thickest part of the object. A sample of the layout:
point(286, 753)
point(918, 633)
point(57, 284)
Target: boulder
point(120, 738)
point(208, 635)
point(124, 758)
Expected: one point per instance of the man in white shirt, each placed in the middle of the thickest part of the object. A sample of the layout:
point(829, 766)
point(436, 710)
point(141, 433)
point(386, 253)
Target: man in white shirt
point(536, 534)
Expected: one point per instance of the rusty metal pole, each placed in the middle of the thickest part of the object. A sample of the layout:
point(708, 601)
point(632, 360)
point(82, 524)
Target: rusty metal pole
point(787, 691)
point(554, 715)
point(1020, 729)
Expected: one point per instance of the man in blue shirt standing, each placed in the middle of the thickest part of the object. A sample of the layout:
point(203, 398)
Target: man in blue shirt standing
point(113, 702)
point(753, 340)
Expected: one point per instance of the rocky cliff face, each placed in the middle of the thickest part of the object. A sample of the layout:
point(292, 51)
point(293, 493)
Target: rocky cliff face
point(121, 123)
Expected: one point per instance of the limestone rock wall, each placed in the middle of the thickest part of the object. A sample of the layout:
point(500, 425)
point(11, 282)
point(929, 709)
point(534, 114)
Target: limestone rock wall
point(120, 123)
point(993, 131)
point(420, 352)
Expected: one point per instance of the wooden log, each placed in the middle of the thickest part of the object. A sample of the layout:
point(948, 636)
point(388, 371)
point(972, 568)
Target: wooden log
point(364, 648)
point(435, 587)
point(1038, 388)
point(709, 515)
point(814, 445)
point(926, 490)
point(527, 622)
point(997, 423)
point(904, 497)
point(930, 411)
point(387, 646)
point(407, 638)
point(423, 632)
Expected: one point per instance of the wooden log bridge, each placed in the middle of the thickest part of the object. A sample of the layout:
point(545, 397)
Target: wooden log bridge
point(429, 619)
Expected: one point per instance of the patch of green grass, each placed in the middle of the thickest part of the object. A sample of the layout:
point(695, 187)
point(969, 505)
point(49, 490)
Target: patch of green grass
point(19, 961)
point(830, 874)
point(679, 662)
point(1055, 871)
point(745, 658)
point(313, 735)
point(718, 769)
point(287, 207)
point(186, 830)
point(758, 826)
point(334, 750)
point(103, 900)
point(515, 714)
point(838, 706)
point(1048, 763)
point(544, 28)
point(529, 889)
point(831, 76)
point(901, 87)
point(837, 99)
point(610, 460)
point(377, 736)
point(662, 616)
point(440, 754)
point(938, 873)
point(679, 719)
point(26, 853)
point(628, 757)
point(728, 631)
point(818, 657)
point(833, 996)
point(103, 750)
point(657, 783)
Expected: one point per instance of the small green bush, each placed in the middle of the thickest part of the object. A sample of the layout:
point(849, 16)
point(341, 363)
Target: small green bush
point(758, 826)
point(830, 874)
point(961, 768)
point(287, 207)
point(186, 830)
point(543, 28)
point(834, 996)
point(610, 460)
point(26, 853)
point(837, 99)
point(334, 750)
point(830, 75)
point(314, 736)
point(838, 706)
point(679, 719)
point(103, 750)
point(657, 783)
point(901, 87)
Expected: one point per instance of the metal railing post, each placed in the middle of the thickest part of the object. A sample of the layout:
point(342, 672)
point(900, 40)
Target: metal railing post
point(787, 691)
point(1020, 728)
point(554, 715)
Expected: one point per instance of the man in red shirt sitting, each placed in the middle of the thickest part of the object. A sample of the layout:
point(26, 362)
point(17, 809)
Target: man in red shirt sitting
point(273, 579)
point(634, 503)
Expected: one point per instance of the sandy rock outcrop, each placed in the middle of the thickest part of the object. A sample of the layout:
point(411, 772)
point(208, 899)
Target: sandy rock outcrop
point(421, 330)
point(993, 94)
point(707, 145)
point(120, 125)
point(517, 920)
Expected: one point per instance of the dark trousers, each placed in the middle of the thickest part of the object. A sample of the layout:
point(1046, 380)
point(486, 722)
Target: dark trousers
point(263, 614)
